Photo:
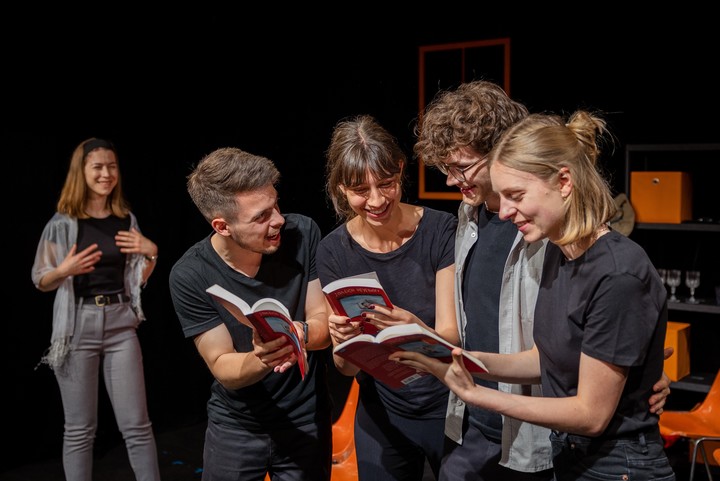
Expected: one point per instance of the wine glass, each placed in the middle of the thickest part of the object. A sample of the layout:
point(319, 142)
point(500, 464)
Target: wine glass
point(673, 280)
point(692, 280)
point(663, 276)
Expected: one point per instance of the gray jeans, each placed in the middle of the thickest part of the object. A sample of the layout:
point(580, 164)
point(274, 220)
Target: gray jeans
point(105, 337)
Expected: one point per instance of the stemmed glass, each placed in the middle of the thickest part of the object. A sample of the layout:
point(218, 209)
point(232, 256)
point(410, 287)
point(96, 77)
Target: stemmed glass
point(663, 275)
point(673, 280)
point(692, 280)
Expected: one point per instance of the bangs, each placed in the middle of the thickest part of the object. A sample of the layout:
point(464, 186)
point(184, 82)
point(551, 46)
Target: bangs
point(359, 162)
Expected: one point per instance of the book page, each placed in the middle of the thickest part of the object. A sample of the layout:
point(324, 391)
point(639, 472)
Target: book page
point(236, 306)
point(415, 338)
point(270, 304)
point(275, 324)
point(372, 358)
point(368, 279)
point(268, 316)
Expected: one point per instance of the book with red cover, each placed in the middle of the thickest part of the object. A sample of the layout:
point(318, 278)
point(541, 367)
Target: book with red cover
point(351, 296)
point(370, 353)
point(268, 316)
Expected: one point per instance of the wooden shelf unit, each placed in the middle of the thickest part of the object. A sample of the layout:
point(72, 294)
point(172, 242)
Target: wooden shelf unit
point(693, 244)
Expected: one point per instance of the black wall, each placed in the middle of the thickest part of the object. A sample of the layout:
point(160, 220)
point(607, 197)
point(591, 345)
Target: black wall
point(170, 87)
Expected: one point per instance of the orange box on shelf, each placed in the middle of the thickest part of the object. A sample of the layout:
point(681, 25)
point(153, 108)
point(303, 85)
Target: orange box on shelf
point(677, 336)
point(661, 197)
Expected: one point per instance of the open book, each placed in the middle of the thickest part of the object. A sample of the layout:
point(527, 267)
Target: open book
point(269, 317)
point(351, 296)
point(370, 353)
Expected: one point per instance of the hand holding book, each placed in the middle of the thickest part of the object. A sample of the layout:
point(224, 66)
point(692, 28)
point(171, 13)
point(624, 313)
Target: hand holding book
point(352, 296)
point(375, 354)
point(400, 330)
point(455, 374)
point(268, 317)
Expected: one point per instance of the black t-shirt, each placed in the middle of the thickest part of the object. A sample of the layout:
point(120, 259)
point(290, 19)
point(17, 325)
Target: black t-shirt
point(482, 281)
point(279, 400)
point(611, 305)
point(408, 276)
point(108, 275)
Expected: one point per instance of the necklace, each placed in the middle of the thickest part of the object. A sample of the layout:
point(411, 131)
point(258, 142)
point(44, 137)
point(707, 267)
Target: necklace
point(489, 209)
point(574, 251)
point(604, 229)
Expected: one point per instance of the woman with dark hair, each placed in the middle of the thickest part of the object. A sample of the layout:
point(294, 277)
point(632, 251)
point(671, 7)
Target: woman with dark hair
point(411, 250)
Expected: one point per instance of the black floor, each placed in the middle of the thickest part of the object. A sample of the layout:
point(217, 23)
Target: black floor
point(180, 454)
point(180, 450)
point(180, 460)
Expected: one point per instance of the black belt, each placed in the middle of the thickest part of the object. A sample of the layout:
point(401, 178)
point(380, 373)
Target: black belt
point(104, 300)
point(642, 436)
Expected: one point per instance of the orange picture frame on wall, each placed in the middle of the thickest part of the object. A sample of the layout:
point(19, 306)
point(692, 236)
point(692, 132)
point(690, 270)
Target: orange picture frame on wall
point(444, 66)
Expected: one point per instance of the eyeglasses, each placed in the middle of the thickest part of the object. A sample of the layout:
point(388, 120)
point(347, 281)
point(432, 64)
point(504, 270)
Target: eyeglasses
point(458, 172)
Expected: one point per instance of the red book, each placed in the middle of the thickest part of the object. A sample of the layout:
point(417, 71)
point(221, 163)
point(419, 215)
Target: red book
point(351, 296)
point(269, 317)
point(370, 353)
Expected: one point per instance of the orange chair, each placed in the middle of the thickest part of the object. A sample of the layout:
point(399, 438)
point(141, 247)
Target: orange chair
point(699, 425)
point(344, 460)
point(716, 456)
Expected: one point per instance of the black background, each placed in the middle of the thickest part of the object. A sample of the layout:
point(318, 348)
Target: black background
point(170, 86)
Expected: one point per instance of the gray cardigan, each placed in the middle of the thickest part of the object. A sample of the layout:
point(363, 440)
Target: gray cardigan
point(58, 236)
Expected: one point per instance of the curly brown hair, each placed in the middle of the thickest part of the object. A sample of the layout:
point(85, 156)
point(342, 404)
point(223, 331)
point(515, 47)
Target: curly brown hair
point(473, 115)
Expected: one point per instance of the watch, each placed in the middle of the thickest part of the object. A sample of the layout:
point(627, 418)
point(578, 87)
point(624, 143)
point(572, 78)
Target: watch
point(305, 331)
point(151, 258)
